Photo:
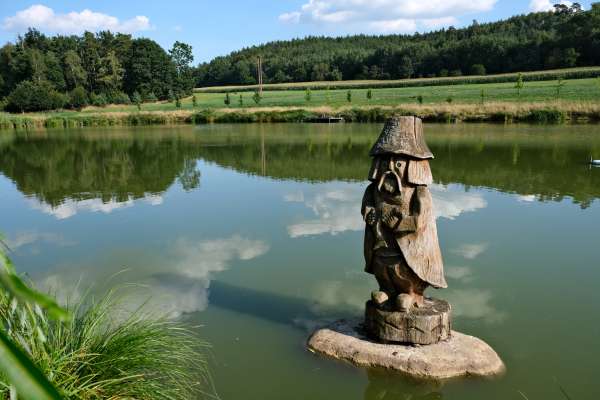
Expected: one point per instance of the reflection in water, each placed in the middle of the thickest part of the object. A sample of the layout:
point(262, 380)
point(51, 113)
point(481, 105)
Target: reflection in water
point(470, 251)
point(31, 238)
point(179, 285)
point(389, 386)
point(68, 207)
point(336, 209)
point(120, 165)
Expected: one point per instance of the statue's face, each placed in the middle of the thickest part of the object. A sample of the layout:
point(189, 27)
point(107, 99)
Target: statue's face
point(388, 173)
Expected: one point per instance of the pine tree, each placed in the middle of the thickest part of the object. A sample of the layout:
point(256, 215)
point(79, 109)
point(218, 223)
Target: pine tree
point(307, 95)
point(519, 85)
point(349, 96)
point(227, 100)
point(194, 101)
point(369, 94)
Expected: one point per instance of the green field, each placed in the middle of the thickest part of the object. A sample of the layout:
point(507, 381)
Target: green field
point(531, 76)
point(578, 90)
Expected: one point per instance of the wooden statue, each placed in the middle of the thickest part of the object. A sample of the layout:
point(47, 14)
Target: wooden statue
point(401, 245)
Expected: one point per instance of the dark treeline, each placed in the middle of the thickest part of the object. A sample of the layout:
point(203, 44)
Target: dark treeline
point(566, 37)
point(42, 73)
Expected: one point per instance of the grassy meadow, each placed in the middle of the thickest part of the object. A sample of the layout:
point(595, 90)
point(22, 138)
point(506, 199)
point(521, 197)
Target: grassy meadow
point(537, 101)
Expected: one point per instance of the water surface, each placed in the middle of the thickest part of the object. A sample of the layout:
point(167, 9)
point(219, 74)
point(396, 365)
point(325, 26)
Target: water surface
point(254, 233)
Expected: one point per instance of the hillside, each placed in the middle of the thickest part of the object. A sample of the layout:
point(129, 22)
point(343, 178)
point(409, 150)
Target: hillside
point(568, 37)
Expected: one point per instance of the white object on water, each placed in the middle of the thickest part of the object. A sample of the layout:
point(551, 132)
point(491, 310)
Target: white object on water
point(594, 162)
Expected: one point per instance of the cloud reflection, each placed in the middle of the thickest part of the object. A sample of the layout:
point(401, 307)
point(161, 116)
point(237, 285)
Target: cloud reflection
point(337, 210)
point(70, 207)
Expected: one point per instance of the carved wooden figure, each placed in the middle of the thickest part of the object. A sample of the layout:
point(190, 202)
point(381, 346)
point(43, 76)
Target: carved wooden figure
point(401, 244)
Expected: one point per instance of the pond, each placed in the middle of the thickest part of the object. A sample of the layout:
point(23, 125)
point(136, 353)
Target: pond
point(253, 235)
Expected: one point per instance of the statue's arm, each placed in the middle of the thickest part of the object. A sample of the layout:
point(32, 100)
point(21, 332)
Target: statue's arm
point(368, 205)
point(421, 203)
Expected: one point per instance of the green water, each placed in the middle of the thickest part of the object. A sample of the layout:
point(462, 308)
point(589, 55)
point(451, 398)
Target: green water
point(253, 233)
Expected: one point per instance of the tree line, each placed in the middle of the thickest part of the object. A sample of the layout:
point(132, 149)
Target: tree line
point(565, 37)
point(41, 73)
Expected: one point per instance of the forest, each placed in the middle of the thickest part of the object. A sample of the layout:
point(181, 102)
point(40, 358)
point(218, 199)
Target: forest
point(41, 73)
point(566, 37)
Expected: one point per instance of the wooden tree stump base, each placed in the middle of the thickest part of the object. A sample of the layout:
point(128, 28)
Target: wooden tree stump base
point(424, 325)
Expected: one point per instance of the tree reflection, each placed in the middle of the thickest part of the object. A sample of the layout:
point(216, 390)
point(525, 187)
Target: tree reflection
point(119, 164)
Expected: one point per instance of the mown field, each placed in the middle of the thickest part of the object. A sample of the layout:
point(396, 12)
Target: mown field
point(580, 90)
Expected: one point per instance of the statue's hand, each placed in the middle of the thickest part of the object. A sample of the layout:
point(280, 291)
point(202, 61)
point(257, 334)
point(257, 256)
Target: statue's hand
point(371, 218)
point(391, 219)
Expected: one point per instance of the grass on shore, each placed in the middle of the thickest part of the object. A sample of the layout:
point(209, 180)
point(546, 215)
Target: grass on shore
point(543, 112)
point(539, 101)
point(97, 356)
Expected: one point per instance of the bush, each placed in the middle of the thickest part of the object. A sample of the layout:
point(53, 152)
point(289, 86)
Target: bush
point(98, 100)
point(149, 98)
point(456, 72)
point(34, 96)
point(478, 69)
point(104, 353)
point(118, 98)
point(78, 98)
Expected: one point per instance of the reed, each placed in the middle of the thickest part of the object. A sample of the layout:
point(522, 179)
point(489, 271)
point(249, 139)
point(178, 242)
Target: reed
point(102, 354)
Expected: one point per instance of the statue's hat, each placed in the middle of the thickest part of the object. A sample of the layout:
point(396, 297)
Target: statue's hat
point(402, 135)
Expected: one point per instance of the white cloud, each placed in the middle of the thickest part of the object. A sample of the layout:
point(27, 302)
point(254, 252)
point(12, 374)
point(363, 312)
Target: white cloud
point(471, 251)
point(70, 207)
point(45, 19)
point(386, 15)
point(545, 5)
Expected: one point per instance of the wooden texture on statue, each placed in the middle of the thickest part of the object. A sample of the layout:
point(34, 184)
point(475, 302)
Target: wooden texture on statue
point(401, 242)
point(427, 324)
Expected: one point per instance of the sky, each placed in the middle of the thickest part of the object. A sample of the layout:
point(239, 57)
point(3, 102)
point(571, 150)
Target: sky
point(216, 28)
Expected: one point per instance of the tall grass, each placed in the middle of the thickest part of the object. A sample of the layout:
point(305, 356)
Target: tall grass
point(106, 353)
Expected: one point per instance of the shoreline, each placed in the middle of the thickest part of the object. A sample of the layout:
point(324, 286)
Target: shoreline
point(507, 112)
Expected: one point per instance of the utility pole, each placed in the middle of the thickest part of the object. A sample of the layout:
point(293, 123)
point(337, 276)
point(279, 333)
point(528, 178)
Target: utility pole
point(259, 74)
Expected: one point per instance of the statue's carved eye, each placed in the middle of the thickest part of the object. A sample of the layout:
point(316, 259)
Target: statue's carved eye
point(399, 165)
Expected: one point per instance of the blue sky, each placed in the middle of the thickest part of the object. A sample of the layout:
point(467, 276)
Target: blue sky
point(217, 27)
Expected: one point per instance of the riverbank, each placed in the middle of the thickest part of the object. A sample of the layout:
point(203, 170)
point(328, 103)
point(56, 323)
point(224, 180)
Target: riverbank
point(504, 112)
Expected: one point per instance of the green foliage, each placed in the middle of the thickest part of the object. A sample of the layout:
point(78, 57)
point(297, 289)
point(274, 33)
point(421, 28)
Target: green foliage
point(23, 375)
point(98, 99)
point(519, 84)
point(104, 353)
point(482, 97)
point(349, 96)
point(182, 57)
point(119, 98)
point(369, 94)
point(171, 96)
point(420, 99)
point(137, 100)
point(521, 43)
point(149, 97)
point(241, 100)
point(449, 99)
point(177, 102)
point(194, 101)
point(478, 69)
point(307, 95)
point(559, 85)
point(257, 97)
point(227, 99)
point(78, 98)
point(34, 96)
